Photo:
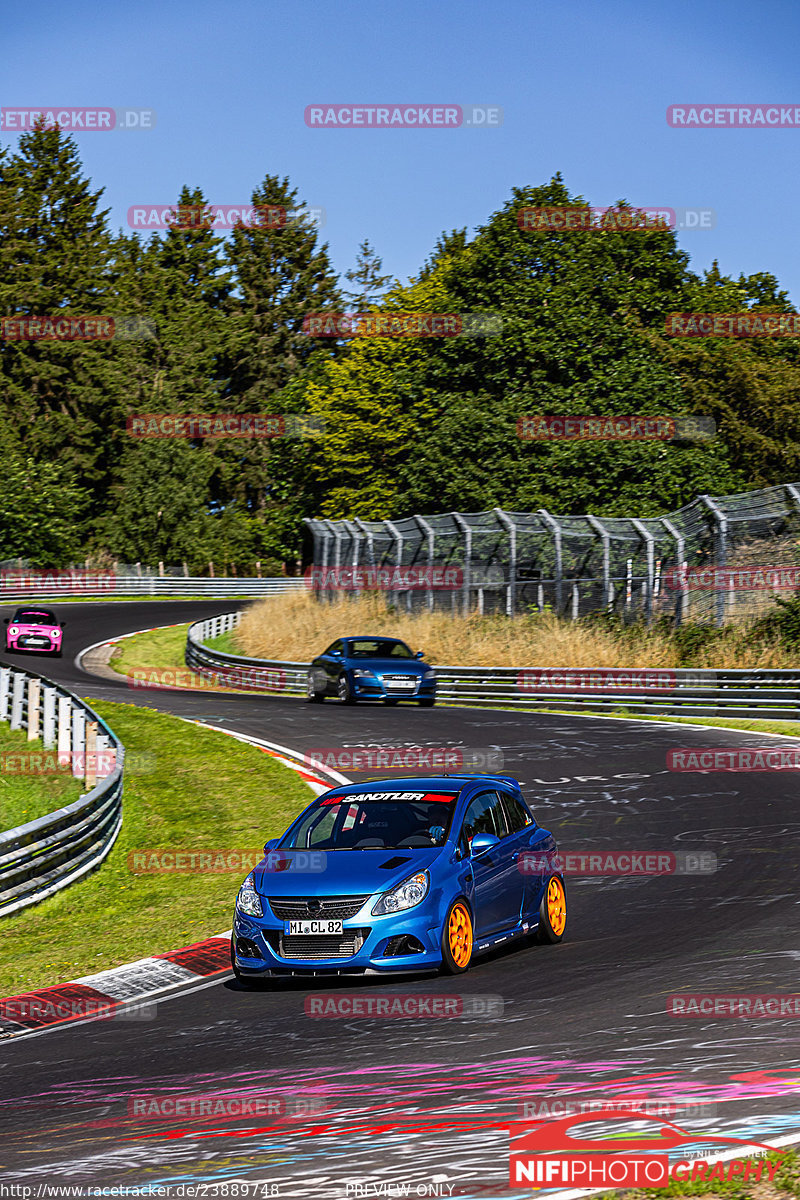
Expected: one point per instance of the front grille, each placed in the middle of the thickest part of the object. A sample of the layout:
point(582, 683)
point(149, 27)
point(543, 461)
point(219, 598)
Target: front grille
point(400, 681)
point(338, 946)
point(296, 908)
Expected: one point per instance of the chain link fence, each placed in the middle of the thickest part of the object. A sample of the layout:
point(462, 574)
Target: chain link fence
point(720, 558)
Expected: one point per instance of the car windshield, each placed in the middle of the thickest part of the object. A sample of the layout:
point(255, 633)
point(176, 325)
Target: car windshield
point(35, 616)
point(377, 648)
point(375, 821)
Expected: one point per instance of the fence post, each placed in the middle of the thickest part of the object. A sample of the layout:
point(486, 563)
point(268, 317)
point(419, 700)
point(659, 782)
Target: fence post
point(467, 580)
point(600, 528)
point(555, 528)
point(64, 731)
point(49, 717)
point(398, 538)
point(34, 698)
point(644, 532)
point(17, 694)
point(431, 538)
point(680, 554)
point(78, 742)
point(721, 529)
point(511, 593)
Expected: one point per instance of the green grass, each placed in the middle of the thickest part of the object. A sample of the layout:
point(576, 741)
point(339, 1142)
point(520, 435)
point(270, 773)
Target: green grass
point(225, 644)
point(24, 797)
point(198, 790)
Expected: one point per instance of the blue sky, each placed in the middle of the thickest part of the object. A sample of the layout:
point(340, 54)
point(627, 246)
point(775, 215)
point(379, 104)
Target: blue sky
point(584, 86)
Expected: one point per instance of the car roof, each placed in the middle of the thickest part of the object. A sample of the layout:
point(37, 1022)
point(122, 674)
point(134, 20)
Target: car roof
point(452, 784)
point(32, 610)
point(370, 637)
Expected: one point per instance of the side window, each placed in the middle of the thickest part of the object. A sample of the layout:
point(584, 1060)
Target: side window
point(518, 816)
point(485, 815)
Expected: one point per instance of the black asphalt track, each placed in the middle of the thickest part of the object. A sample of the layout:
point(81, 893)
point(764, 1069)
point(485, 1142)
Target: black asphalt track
point(370, 1106)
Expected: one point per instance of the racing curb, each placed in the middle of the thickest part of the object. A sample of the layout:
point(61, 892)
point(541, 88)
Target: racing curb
point(128, 992)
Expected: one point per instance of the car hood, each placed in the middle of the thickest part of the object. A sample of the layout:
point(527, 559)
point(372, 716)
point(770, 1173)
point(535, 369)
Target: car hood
point(399, 666)
point(345, 873)
point(24, 627)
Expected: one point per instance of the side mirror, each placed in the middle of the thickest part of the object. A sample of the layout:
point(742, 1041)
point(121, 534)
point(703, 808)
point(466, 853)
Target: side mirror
point(63, 624)
point(336, 654)
point(270, 845)
point(483, 842)
point(6, 620)
point(420, 654)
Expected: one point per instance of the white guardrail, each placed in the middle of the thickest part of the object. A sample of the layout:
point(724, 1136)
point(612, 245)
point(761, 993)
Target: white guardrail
point(45, 855)
point(661, 691)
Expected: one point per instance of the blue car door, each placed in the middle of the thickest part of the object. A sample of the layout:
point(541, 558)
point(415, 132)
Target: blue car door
point(498, 881)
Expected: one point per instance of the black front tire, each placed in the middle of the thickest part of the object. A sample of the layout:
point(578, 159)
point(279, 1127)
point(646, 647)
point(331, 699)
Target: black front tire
point(426, 703)
point(312, 695)
point(551, 929)
point(343, 690)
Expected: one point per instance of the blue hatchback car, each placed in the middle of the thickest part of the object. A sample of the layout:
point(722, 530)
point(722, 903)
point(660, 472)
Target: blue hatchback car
point(371, 668)
point(401, 875)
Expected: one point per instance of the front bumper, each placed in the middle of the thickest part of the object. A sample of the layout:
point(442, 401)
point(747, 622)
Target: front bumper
point(377, 688)
point(367, 945)
point(42, 645)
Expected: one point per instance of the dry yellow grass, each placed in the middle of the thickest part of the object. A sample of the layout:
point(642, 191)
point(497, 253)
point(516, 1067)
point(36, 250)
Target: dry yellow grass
point(294, 626)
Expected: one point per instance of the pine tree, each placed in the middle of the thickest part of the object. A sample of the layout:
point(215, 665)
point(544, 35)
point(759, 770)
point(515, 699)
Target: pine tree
point(369, 285)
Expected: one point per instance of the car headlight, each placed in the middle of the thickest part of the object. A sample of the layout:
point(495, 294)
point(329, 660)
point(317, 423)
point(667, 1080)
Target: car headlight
point(406, 895)
point(364, 674)
point(12, 629)
point(429, 675)
point(55, 633)
point(248, 900)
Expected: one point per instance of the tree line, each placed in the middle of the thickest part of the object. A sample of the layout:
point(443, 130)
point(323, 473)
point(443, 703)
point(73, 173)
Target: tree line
point(553, 321)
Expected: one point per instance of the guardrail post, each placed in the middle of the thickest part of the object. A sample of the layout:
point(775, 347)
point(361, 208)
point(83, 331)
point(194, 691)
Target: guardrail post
point(34, 699)
point(17, 694)
point(78, 742)
point(48, 717)
point(5, 686)
point(64, 731)
point(398, 539)
point(90, 757)
point(427, 529)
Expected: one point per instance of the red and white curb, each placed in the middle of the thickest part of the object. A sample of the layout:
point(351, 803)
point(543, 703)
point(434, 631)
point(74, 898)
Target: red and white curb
point(126, 992)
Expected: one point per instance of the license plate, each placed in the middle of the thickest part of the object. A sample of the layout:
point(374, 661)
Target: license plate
point(34, 641)
point(401, 683)
point(293, 928)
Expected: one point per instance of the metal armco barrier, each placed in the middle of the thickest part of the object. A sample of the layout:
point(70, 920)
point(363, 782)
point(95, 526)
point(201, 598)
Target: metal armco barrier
point(46, 855)
point(52, 585)
point(659, 691)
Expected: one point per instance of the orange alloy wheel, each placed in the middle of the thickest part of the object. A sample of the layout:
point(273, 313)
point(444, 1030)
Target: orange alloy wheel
point(557, 906)
point(459, 935)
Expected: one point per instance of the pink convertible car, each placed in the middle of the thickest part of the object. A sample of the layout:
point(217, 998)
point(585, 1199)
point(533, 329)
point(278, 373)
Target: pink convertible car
point(34, 629)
